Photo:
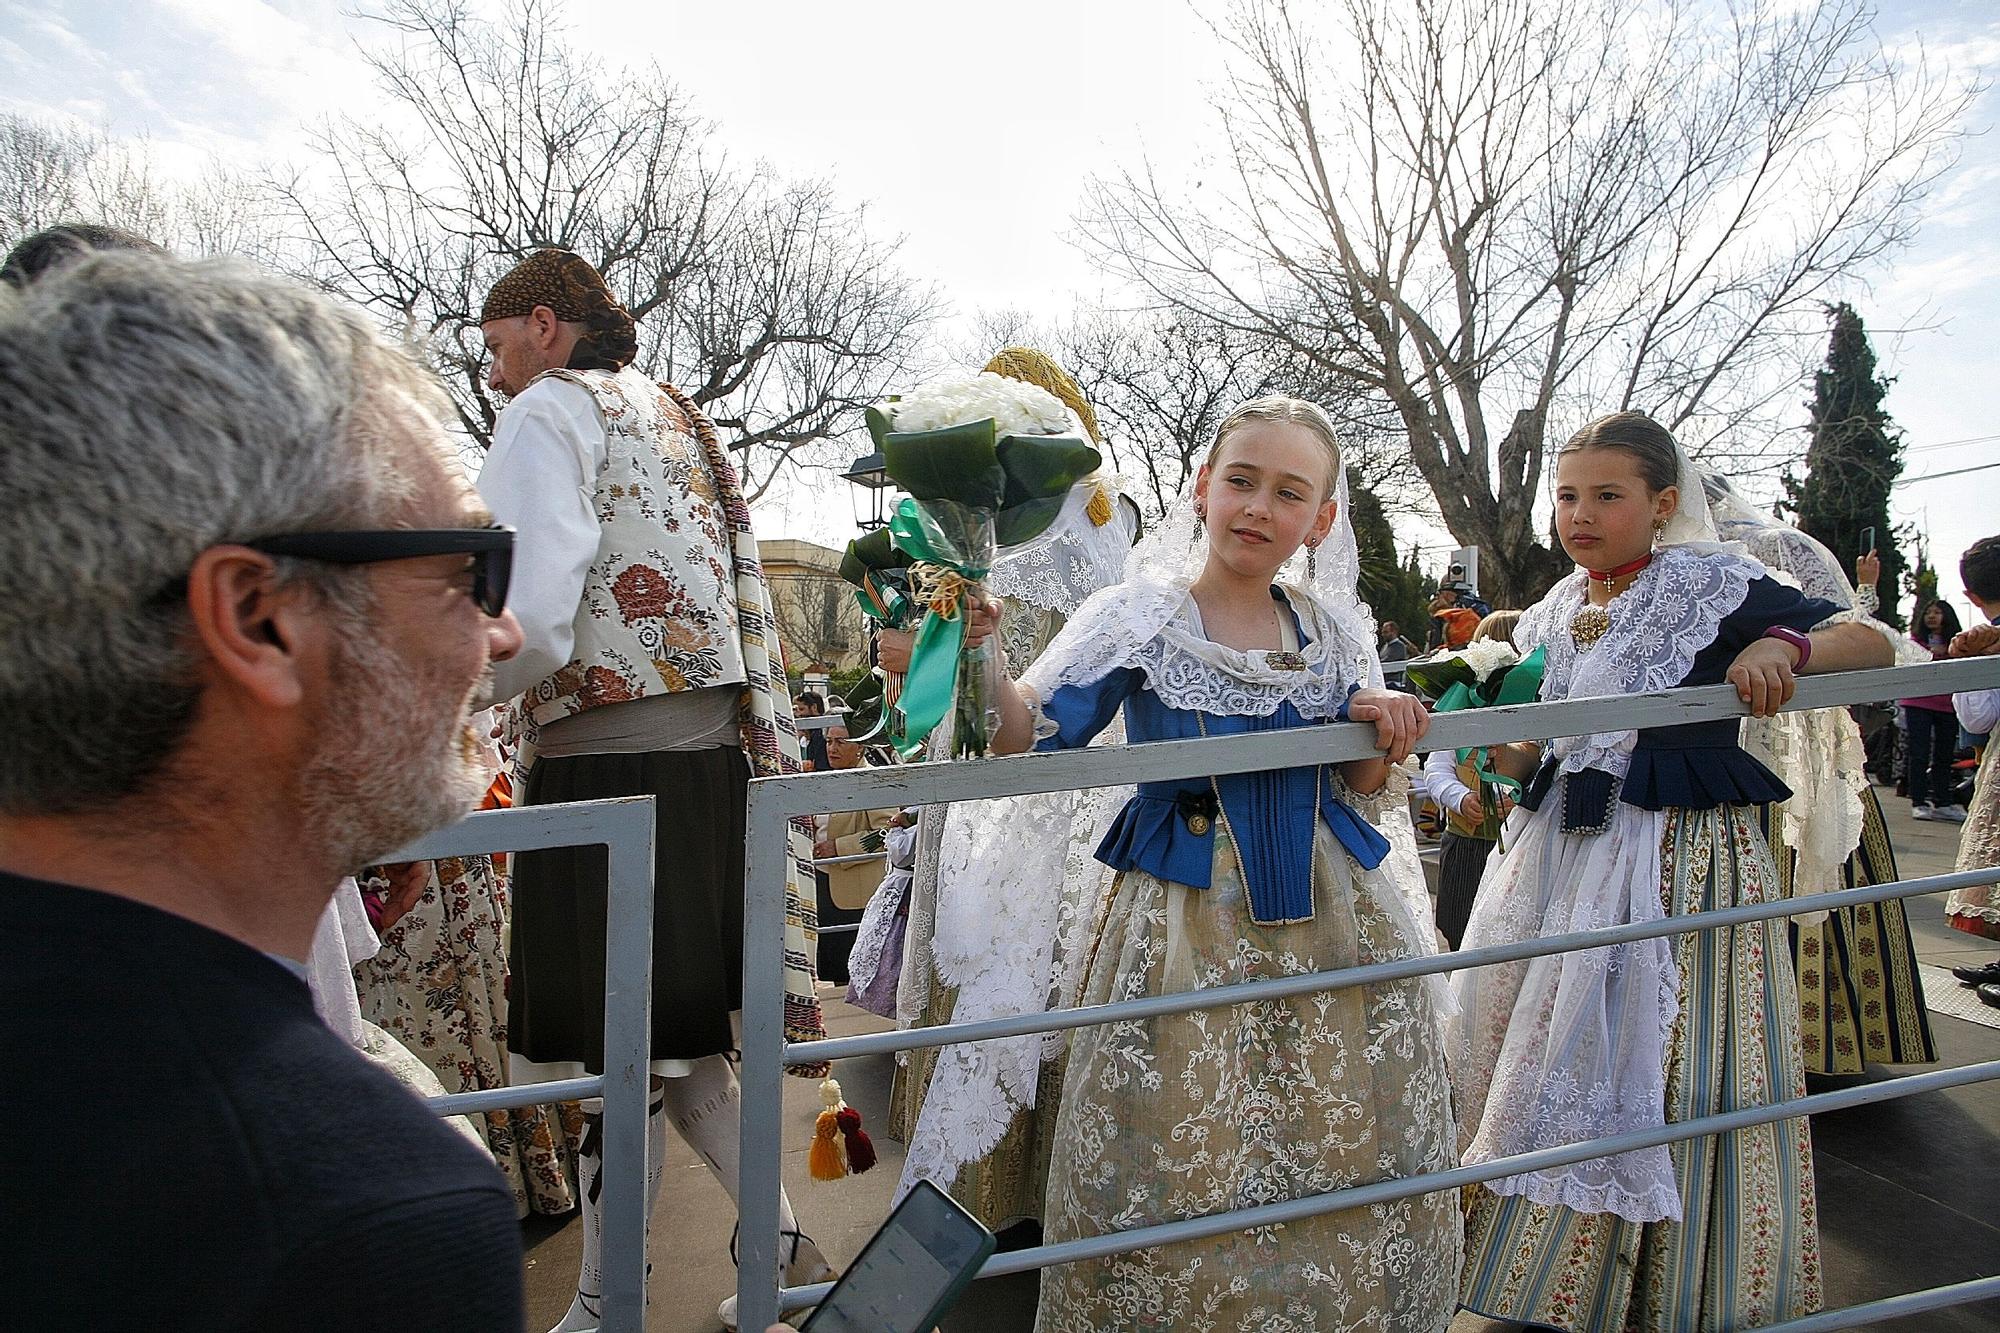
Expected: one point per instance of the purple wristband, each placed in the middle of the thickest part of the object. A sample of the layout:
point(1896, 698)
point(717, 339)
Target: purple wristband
point(1788, 635)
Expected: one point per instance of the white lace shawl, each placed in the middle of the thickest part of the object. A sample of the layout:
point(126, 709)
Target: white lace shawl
point(1075, 556)
point(1670, 613)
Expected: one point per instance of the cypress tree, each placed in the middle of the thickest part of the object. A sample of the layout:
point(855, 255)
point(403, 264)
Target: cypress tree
point(1855, 456)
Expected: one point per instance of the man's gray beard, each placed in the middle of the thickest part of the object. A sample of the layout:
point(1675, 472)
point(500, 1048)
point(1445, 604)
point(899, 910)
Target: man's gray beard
point(396, 764)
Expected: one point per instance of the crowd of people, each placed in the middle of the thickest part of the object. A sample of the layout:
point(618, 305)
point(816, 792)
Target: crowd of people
point(256, 628)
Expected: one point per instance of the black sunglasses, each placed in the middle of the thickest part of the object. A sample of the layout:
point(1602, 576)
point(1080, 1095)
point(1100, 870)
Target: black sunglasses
point(491, 549)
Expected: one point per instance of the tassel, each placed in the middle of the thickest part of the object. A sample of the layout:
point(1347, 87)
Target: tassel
point(828, 1158)
point(860, 1151)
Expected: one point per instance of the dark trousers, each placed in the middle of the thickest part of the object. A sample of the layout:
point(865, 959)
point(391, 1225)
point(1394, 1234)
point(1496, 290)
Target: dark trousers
point(1461, 863)
point(1933, 737)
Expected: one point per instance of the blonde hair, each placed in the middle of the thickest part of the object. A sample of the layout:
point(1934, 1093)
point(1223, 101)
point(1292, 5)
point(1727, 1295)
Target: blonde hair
point(1498, 625)
point(1277, 408)
point(1038, 368)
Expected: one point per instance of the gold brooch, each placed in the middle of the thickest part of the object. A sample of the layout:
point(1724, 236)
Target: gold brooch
point(1589, 625)
point(1284, 661)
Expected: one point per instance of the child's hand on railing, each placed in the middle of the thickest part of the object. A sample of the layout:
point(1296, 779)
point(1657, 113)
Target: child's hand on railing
point(1400, 720)
point(1762, 675)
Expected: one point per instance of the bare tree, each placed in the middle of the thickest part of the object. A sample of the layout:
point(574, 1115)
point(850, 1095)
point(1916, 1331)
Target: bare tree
point(52, 172)
point(767, 301)
point(1494, 214)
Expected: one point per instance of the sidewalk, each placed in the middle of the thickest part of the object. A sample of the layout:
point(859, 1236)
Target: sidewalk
point(1906, 1194)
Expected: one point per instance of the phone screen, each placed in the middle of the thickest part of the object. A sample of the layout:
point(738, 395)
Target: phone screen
point(1867, 540)
point(921, 1258)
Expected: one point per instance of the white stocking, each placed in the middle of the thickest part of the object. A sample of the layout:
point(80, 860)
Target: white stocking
point(706, 1108)
point(584, 1310)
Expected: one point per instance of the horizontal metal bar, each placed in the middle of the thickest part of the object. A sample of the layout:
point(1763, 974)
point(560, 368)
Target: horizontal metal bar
point(1874, 1312)
point(848, 929)
point(856, 859)
point(1388, 1191)
point(524, 828)
point(1163, 761)
point(1272, 988)
point(517, 1095)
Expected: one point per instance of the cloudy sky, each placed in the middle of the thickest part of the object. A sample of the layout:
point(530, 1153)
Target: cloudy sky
point(970, 131)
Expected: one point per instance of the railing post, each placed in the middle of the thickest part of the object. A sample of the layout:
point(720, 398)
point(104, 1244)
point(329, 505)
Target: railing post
point(766, 851)
point(628, 1028)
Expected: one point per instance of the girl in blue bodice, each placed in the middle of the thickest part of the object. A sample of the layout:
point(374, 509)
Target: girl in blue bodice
point(1218, 629)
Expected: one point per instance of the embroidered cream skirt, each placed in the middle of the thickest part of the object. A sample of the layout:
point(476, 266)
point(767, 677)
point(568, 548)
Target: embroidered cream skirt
point(1196, 1114)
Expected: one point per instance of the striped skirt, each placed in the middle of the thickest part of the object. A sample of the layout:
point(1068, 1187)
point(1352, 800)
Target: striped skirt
point(1746, 1251)
point(1860, 995)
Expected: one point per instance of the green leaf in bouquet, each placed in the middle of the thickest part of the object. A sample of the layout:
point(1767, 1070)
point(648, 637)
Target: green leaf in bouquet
point(871, 551)
point(1520, 683)
point(1041, 467)
point(1025, 521)
point(954, 463)
point(880, 423)
point(1436, 677)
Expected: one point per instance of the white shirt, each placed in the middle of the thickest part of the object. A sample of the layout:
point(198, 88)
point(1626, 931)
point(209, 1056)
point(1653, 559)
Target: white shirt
point(1978, 710)
point(540, 478)
point(1440, 780)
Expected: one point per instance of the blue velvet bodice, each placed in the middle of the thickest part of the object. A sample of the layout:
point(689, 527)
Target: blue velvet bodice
point(1272, 814)
point(1697, 765)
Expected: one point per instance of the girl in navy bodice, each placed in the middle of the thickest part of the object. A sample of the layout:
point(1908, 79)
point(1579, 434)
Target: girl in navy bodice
point(1628, 826)
point(1229, 878)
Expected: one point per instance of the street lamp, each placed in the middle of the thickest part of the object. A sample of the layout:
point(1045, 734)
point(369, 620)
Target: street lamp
point(870, 472)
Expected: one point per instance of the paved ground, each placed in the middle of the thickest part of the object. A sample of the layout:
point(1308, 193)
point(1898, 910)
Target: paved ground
point(1907, 1195)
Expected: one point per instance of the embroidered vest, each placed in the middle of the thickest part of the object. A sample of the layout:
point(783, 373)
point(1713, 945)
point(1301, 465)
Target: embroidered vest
point(659, 611)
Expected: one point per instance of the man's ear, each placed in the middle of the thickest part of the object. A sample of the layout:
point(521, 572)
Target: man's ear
point(249, 625)
point(545, 326)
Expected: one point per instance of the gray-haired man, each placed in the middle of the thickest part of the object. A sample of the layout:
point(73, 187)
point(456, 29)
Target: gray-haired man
point(245, 603)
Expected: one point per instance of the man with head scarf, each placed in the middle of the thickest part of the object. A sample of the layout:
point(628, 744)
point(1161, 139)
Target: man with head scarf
point(649, 666)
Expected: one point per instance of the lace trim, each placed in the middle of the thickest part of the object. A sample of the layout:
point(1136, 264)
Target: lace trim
point(1076, 559)
point(1189, 671)
point(1670, 613)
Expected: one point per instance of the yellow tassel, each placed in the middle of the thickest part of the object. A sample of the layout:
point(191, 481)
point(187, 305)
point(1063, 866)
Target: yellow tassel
point(828, 1158)
point(1099, 508)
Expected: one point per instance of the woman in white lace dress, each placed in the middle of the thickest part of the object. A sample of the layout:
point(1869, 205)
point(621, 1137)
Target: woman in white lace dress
point(987, 924)
point(1628, 826)
point(1232, 879)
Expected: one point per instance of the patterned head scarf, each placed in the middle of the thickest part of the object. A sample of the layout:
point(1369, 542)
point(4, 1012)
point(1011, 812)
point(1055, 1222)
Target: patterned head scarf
point(566, 283)
point(1037, 368)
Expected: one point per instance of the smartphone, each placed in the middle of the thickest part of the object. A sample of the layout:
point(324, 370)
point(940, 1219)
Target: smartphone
point(910, 1272)
point(1867, 539)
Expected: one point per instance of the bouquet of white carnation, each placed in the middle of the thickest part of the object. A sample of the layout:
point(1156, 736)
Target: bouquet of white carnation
point(987, 462)
point(1015, 407)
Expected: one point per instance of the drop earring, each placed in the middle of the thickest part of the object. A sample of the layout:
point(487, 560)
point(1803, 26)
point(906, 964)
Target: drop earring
point(1312, 560)
point(1659, 526)
point(1200, 521)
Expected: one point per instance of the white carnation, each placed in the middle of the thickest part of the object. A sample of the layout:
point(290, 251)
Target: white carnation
point(1016, 407)
point(1485, 656)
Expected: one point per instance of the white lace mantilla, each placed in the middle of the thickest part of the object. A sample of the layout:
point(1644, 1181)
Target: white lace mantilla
point(1074, 558)
point(1670, 613)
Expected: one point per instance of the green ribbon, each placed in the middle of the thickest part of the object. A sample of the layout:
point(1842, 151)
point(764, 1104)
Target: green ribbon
point(935, 655)
point(1522, 683)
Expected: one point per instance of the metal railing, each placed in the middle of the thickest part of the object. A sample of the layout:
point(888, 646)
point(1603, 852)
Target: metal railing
point(624, 828)
point(772, 801)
